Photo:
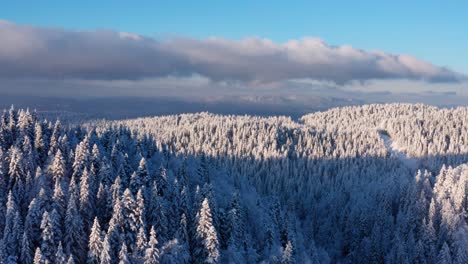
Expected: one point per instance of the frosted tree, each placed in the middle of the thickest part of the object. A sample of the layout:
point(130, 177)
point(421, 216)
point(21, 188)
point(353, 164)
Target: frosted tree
point(60, 257)
point(159, 217)
point(152, 251)
point(208, 244)
point(143, 173)
point(131, 222)
point(38, 258)
point(39, 143)
point(58, 167)
point(81, 158)
point(123, 255)
point(461, 245)
point(74, 239)
point(203, 170)
point(96, 158)
point(59, 200)
point(141, 244)
point(87, 202)
point(26, 249)
point(444, 256)
point(183, 238)
point(48, 244)
point(161, 181)
point(288, 254)
point(115, 230)
point(16, 166)
point(71, 259)
point(105, 256)
point(95, 246)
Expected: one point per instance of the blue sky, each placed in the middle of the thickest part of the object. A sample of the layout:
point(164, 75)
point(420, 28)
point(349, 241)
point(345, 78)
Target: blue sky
point(282, 53)
point(435, 31)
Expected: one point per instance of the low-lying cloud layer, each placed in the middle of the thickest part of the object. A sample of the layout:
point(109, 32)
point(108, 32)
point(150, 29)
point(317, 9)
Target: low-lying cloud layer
point(51, 53)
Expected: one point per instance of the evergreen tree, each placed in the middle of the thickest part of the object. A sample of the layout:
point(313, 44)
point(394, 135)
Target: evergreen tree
point(208, 244)
point(152, 251)
point(123, 255)
point(74, 240)
point(48, 244)
point(143, 174)
point(131, 218)
point(38, 258)
point(26, 250)
point(95, 246)
point(161, 181)
point(57, 168)
point(105, 255)
point(39, 144)
point(288, 254)
point(13, 230)
point(141, 244)
point(86, 200)
point(444, 256)
point(60, 257)
point(71, 259)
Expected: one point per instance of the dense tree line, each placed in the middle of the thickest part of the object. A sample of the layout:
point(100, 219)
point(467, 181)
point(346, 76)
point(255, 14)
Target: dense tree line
point(205, 188)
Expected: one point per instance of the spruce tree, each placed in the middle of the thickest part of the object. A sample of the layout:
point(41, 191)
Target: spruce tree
point(123, 255)
point(208, 243)
point(74, 240)
point(152, 252)
point(60, 257)
point(95, 246)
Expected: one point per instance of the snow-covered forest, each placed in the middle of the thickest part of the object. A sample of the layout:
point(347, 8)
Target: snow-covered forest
point(367, 184)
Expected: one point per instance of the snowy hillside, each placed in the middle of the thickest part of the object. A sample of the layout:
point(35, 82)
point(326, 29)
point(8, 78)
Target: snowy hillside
point(368, 184)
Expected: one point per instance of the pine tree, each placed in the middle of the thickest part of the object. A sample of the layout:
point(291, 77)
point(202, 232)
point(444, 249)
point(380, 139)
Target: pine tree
point(208, 244)
point(38, 258)
point(95, 243)
point(102, 204)
point(33, 221)
point(105, 172)
point(74, 240)
point(115, 230)
point(86, 200)
point(131, 218)
point(141, 244)
point(444, 256)
point(58, 167)
point(71, 259)
point(39, 144)
point(183, 239)
point(203, 171)
point(123, 255)
point(59, 202)
point(13, 230)
point(48, 244)
point(159, 217)
point(26, 250)
point(152, 252)
point(16, 167)
point(143, 174)
point(60, 257)
point(288, 254)
point(81, 158)
point(105, 255)
point(235, 221)
point(96, 159)
point(161, 181)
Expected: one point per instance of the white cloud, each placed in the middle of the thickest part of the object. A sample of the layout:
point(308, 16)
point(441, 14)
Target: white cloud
point(51, 53)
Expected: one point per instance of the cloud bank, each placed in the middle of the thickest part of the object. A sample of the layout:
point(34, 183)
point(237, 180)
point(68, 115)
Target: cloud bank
point(52, 53)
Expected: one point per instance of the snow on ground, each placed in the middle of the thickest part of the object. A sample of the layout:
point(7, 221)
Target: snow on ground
point(397, 151)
